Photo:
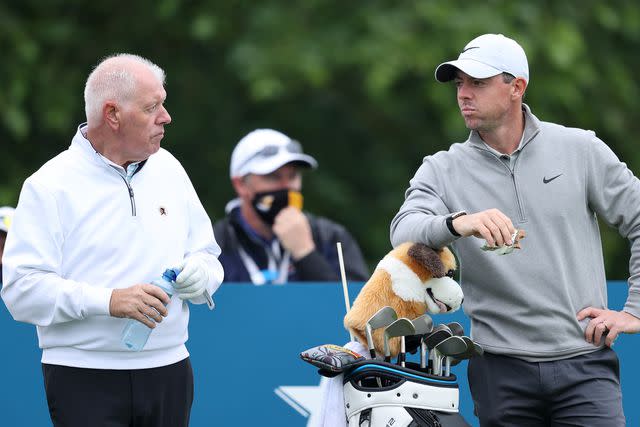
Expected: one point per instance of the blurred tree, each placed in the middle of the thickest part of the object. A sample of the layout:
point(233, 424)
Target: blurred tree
point(352, 81)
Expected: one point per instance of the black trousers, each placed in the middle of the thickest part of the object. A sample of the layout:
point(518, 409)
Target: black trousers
point(579, 391)
point(155, 397)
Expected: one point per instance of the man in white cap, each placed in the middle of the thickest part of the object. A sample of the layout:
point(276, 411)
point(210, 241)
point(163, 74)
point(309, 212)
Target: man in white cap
point(6, 215)
point(266, 237)
point(540, 312)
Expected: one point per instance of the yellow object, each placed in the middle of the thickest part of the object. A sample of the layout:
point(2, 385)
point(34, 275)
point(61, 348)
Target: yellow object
point(295, 199)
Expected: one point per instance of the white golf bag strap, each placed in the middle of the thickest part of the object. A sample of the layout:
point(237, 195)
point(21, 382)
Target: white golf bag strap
point(409, 394)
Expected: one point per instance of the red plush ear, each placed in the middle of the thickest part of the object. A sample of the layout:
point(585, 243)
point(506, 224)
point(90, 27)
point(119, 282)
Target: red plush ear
point(428, 258)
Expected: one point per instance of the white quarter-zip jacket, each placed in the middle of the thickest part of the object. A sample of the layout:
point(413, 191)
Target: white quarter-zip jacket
point(80, 231)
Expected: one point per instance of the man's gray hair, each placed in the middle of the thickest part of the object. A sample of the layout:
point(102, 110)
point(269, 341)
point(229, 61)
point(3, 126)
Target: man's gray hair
point(112, 80)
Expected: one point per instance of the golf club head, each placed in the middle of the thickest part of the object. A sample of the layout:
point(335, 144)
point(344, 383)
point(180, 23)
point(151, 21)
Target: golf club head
point(447, 350)
point(381, 318)
point(475, 349)
point(398, 328)
point(423, 324)
point(456, 328)
point(452, 346)
point(439, 333)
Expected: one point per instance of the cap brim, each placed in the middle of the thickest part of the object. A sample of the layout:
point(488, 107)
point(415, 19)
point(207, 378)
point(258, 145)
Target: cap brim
point(266, 166)
point(447, 71)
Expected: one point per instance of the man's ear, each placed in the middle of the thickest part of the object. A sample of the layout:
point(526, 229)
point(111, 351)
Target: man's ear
point(240, 186)
point(428, 258)
point(111, 114)
point(519, 86)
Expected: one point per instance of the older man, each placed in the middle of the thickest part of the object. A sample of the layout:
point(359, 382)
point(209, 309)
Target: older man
point(92, 228)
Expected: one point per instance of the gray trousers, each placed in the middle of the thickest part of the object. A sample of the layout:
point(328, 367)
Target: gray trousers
point(579, 391)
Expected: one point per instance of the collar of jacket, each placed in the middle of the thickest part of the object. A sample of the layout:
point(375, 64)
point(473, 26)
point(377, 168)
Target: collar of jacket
point(531, 129)
point(83, 146)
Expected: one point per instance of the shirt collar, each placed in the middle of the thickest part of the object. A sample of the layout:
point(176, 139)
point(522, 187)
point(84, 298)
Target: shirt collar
point(80, 140)
point(531, 129)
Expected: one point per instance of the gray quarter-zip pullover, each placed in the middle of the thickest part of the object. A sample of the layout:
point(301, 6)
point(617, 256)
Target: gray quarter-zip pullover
point(525, 304)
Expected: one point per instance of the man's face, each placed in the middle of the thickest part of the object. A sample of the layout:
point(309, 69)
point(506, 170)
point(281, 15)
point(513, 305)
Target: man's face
point(286, 177)
point(143, 118)
point(484, 103)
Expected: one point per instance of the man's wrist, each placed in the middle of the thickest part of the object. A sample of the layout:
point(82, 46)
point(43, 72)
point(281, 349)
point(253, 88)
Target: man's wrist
point(449, 222)
point(300, 253)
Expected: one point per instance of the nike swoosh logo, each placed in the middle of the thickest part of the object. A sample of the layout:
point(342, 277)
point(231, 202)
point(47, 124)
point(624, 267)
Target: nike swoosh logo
point(546, 181)
point(469, 48)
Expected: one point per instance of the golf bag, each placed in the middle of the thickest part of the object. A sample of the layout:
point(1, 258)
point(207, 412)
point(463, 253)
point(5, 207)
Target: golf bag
point(380, 394)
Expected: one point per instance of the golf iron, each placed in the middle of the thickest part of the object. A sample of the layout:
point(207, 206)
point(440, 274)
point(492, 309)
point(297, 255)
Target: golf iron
point(382, 318)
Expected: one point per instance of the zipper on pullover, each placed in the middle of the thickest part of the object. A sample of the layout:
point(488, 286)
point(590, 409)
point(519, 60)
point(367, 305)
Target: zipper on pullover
point(132, 199)
point(521, 214)
point(515, 189)
point(124, 177)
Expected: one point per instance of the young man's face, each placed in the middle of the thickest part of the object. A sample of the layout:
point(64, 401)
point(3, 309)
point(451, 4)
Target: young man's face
point(484, 103)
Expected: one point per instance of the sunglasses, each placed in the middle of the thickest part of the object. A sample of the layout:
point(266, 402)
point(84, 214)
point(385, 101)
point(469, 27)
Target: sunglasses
point(268, 151)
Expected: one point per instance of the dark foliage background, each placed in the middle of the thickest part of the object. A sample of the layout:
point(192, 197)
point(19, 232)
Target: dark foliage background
point(352, 80)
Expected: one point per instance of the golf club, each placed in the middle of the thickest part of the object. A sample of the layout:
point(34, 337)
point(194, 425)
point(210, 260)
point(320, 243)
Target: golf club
point(474, 348)
point(456, 328)
point(423, 325)
point(439, 334)
point(382, 318)
point(400, 327)
point(450, 347)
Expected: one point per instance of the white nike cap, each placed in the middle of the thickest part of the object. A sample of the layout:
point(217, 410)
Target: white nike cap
point(486, 56)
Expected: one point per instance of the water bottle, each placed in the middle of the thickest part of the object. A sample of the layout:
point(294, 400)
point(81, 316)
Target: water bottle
point(136, 333)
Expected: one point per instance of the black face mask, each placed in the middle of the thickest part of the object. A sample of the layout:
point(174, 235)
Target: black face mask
point(268, 204)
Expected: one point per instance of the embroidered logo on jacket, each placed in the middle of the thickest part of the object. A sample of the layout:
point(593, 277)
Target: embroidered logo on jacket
point(546, 181)
point(163, 211)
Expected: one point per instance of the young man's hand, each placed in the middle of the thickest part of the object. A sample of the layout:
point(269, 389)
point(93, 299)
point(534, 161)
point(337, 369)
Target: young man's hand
point(609, 323)
point(491, 225)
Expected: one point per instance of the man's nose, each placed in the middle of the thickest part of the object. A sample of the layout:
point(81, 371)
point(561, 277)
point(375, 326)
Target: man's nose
point(463, 91)
point(165, 117)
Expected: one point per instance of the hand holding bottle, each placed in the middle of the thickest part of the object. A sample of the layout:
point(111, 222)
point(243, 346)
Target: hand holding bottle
point(136, 332)
point(142, 302)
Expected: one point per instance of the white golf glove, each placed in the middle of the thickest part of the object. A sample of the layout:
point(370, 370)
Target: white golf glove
point(192, 280)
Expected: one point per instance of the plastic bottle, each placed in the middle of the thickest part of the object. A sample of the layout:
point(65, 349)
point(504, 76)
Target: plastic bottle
point(136, 333)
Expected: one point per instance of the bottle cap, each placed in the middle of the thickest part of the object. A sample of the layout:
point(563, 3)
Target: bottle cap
point(170, 274)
